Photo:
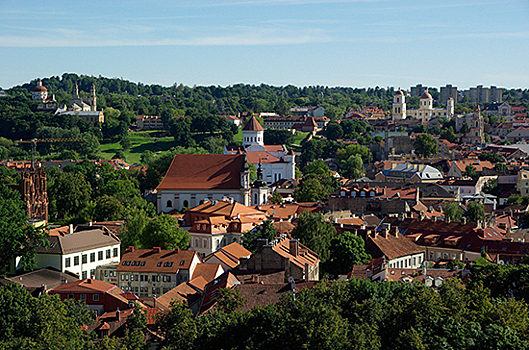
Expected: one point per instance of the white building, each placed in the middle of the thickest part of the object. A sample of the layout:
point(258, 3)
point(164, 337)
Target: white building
point(191, 178)
point(425, 112)
point(276, 161)
point(79, 252)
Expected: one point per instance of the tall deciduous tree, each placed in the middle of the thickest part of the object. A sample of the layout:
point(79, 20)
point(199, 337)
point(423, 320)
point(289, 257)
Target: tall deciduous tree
point(163, 231)
point(453, 211)
point(265, 231)
point(17, 237)
point(475, 211)
point(70, 193)
point(346, 250)
point(314, 232)
point(425, 145)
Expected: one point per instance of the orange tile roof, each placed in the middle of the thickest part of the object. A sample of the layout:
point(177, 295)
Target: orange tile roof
point(230, 254)
point(305, 256)
point(395, 246)
point(203, 171)
point(256, 157)
point(182, 292)
point(163, 261)
point(207, 271)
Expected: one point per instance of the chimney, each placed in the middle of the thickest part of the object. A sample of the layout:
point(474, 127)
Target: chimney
point(177, 250)
point(70, 229)
point(243, 263)
point(294, 247)
point(89, 280)
point(261, 242)
point(118, 314)
point(131, 249)
point(481, 232)
point(156, 249)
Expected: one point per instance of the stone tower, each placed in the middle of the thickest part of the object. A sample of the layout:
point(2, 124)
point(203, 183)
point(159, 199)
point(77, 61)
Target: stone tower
point(93, 98)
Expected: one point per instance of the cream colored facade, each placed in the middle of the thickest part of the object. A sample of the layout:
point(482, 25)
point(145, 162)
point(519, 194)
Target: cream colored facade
point(522, 184)
point(426, 112)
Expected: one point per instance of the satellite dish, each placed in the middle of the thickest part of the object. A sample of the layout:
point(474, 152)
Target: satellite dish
point(425, 263)
point(291, 279)
point(501, 262)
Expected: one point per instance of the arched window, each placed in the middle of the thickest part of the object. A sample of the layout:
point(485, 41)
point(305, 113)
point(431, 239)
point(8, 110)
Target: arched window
point(169, 204)
point(255, 199)
point(186, 204)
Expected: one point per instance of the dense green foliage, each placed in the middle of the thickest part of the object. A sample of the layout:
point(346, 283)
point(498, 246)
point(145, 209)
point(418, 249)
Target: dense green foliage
point(346, 250)
point(358, 314)
point(265, 231)
point(316, 233)
point(44, 323)
point(425, 145)
point(317, 183)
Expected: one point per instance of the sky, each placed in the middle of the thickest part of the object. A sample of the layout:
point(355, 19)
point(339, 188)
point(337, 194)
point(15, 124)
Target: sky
point(359, 43)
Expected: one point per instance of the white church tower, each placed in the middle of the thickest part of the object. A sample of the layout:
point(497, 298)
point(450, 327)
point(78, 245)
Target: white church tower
point(450, 108)
point(253, 133)
point(399, 105)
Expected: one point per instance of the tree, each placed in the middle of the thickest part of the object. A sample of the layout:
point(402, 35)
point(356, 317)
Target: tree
point(475, 211)
point(470, 171)
point(346, 250)
point(316, 233)
point(119, 155)
point(135, 222)
point(354, 167)
point(17, 237)
point(265, 231)
point(70, 192)
point(278, 137)
point(108, 208)
point(333, 131)
point(178, 326)
point(135, 332)
point(47, 322)
point(425, 145)
point(164, 232)
point(453, 211)
point(276, 198)
point(311, 190)
point(448, 134)
point(125, 142)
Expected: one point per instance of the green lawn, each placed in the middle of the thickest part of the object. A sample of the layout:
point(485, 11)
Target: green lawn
point(141, 141)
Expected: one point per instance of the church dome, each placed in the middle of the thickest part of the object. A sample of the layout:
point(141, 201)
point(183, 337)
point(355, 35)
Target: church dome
point(39, 87)
point(427, 95)
point(399, 92)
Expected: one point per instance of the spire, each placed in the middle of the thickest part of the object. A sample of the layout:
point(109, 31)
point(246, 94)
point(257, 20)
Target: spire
point(76, 92)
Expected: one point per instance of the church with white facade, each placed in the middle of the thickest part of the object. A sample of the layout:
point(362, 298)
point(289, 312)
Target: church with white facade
point(425, 112)
point(275, 161)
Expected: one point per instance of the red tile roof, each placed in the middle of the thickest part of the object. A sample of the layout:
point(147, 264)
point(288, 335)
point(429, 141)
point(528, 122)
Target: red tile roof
point(204, 172)
point(253, 124)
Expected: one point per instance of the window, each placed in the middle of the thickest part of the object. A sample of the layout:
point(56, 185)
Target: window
point(159, 264)
point(115, 252)
point(100, 255)
point(84, 258)
point(84, 274)
point(186, 204)
point(136, 277)
point(67, 262)
point(70, 296)
point(122, 277)
point(108, 254)
point(92, 257)
point(169, 204)
point(83, 297)
point(95, 297)
point(106, 273)
point(92, 272)
point(76, 260)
